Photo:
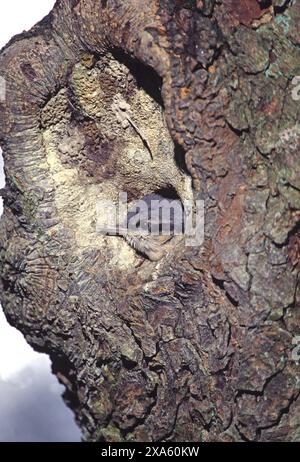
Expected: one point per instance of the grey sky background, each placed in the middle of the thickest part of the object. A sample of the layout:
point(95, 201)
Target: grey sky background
point(31, 406)
point(32, 409)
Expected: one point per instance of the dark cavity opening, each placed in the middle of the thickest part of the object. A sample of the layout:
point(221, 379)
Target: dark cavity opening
point(146, 77)
point(281, 9)
point(179, 153)
point(265, 4)
point(167, 193)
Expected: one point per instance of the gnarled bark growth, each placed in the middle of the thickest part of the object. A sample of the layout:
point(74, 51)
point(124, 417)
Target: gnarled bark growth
point(196, 347)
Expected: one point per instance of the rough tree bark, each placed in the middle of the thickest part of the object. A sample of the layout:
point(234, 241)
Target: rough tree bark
point(197, 346)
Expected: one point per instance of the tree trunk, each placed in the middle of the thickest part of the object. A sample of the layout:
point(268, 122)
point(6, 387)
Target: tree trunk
point(202, 344)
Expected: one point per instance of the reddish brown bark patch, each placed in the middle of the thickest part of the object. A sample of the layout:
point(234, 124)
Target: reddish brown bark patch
point(245, 11)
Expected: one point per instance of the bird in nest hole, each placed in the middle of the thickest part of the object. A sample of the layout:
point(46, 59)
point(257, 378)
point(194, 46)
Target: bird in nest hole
point(151, 222)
